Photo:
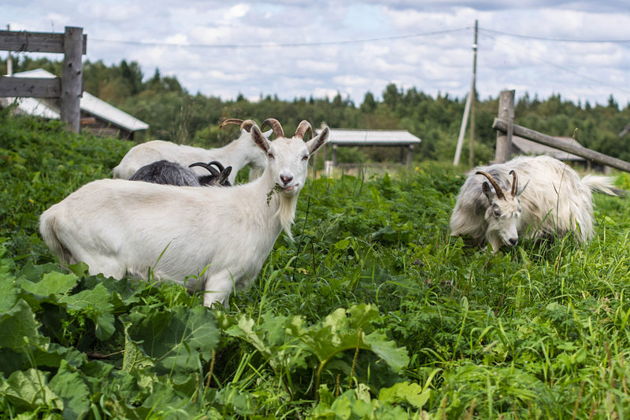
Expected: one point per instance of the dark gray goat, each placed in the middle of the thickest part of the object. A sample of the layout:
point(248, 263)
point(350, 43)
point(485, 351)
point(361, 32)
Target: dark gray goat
point(171, 173)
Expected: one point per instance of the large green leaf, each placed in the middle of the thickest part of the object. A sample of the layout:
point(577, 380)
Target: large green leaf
point(274, 337)
point(69, 386)
point(405, 392)
point(29, 391)
point(176, 339)
point(347, 329)
point(8, 292)
point(52, 283)
point(19, 328)
point(95, 304)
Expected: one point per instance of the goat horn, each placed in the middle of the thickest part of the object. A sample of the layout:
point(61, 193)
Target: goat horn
point(302, 128)
point(498, 189)
point(229, 121)
point(245, 124)
point(514, 183)
point(217, 164)
point(208, 167)
point(275, 126)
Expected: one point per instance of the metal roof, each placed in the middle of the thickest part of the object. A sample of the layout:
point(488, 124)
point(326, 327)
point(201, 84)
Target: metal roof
point(352, 137)
point(529, 147)
point(89, 103)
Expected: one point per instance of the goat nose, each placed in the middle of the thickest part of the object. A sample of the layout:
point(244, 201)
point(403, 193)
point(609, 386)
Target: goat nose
point(513, 241)
point(286, 179)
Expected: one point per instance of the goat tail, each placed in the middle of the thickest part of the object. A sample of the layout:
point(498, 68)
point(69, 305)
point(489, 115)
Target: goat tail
point(47, 222)
point(603, 184)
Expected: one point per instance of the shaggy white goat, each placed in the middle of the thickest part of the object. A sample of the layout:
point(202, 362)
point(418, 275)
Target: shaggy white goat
point(236, 154)
point(554, 200)
point(209, 238)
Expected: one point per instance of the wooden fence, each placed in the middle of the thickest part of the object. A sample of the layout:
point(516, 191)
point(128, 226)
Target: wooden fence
point(72, 44)
point(506, 128)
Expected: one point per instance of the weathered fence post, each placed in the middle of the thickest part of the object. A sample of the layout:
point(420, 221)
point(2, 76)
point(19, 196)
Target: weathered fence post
point(71, 79)
point(503, 150)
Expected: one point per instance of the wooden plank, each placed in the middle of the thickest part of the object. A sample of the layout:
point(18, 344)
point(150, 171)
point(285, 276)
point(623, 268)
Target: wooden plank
point(29, 87)
point(49, 42)
point(503, 150)
point(582, 151)
point(72, 77)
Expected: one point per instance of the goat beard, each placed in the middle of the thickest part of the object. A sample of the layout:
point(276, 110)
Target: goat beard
point(286, 212)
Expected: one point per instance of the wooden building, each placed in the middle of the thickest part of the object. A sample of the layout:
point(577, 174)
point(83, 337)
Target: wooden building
point(342, 137)
point(97, 116)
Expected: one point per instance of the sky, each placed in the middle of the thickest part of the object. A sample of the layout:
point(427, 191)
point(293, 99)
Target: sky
point(319, 48)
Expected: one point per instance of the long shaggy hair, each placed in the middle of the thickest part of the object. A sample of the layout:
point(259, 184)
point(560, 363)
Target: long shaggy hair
point(552, 199)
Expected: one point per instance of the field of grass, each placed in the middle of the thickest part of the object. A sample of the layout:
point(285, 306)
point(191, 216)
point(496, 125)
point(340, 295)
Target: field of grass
point(372, 312)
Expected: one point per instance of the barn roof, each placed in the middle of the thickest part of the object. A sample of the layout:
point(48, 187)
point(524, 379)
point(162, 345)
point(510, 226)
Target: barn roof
point(528, 147)
point(352, 137)
point(89, 103)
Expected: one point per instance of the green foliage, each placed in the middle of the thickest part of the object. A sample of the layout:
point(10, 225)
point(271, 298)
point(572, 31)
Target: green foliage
point(194, 118)
point(372, 311)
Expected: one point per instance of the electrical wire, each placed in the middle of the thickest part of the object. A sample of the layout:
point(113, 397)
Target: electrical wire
point(541, 60)
point(542, 38)
point(281, 45)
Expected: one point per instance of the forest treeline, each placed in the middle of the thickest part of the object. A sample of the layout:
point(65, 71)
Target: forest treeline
point(176, 114)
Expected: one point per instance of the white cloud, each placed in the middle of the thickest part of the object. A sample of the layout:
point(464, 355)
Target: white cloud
point(440, 62)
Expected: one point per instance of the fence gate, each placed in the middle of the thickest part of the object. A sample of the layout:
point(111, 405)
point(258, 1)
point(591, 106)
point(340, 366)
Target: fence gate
point(505, 127)
point(72, 44)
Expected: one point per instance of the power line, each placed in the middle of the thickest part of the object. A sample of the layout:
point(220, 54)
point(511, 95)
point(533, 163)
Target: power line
point(280, 45)
point(566, 69)
point(542, 38)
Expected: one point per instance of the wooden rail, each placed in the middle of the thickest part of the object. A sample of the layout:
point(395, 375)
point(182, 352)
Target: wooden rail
point(48, 42)
point(535, 136)
point(69, 89)
point(30, 86)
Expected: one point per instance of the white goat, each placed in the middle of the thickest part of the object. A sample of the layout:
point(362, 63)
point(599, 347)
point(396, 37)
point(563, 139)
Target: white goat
point(209, 238)
point(236, 154)
point(554, 201)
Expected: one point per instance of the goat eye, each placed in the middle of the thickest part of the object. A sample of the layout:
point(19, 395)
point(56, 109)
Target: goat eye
point(497, 213)
point(305, 157)
point(270, 155)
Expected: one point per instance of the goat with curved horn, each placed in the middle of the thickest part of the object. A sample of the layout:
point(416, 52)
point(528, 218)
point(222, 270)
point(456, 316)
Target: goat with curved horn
point(275, 126)
point(553, 201)
point(494, 183)
point(302, 128)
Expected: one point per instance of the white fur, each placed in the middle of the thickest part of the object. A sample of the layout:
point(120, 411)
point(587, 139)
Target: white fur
point(236, 154)
point(552, 199)
point(209, 238)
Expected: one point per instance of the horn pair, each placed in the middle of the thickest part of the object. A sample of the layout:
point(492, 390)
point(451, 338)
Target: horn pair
point(496, 186)
point(210, 167)
point(275, 125)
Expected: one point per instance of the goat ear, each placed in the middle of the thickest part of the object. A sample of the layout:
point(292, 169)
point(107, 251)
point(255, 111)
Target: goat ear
point(260, 140)
point(225, 174)
point(316, 142)
point(485, 187)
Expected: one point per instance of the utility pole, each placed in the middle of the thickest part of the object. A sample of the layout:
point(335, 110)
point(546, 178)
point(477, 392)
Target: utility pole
point(467, 108)
point(473, 94)
point(9, 58)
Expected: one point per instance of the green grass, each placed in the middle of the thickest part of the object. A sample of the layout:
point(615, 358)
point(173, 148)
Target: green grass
point(373, 311)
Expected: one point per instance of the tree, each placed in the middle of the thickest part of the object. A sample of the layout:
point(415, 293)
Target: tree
point(369, 103)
